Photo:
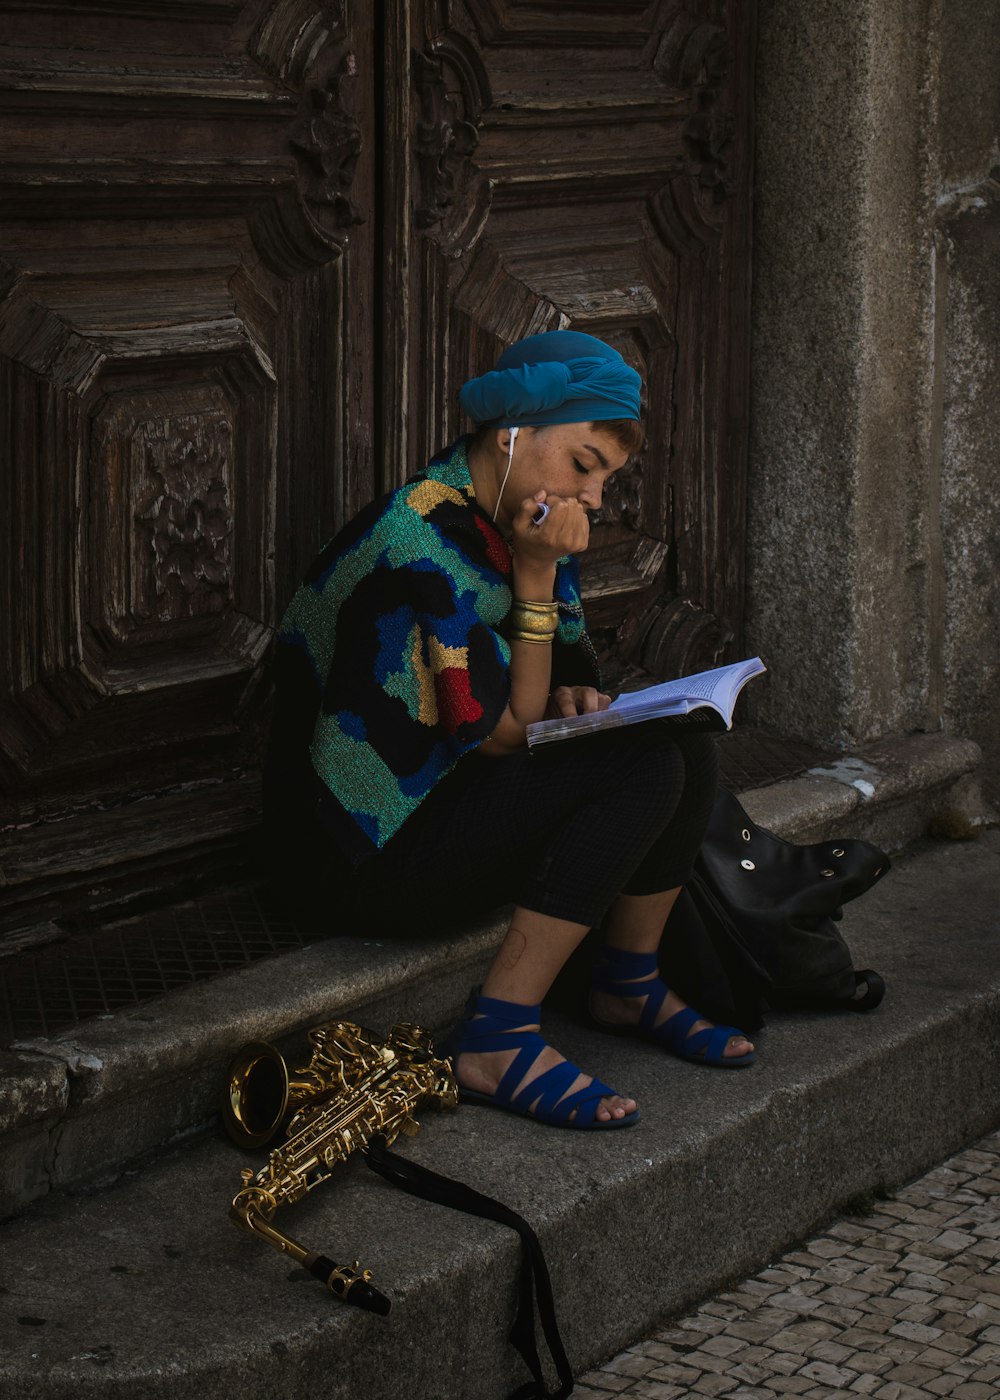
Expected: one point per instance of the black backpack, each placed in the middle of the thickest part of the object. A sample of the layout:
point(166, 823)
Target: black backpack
point(756, 926)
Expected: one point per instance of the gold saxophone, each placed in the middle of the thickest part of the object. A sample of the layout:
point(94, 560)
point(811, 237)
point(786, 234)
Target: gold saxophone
point(354, 1087)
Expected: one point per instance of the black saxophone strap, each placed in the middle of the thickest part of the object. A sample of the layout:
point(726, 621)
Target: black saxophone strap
point(533, 1276)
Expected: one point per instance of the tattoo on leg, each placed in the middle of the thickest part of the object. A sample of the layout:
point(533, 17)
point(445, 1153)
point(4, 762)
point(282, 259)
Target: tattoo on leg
point(513, 949)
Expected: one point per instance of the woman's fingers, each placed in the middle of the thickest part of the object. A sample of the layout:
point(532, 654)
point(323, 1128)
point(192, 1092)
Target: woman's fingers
point(563, 702)
point(565, 529)
point(577, 700)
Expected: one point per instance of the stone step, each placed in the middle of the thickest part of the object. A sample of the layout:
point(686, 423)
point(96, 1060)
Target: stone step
point(80, 1106)
point(146, 1291)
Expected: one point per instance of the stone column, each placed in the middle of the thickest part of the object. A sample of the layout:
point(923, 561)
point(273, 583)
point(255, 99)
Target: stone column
point(844, 539)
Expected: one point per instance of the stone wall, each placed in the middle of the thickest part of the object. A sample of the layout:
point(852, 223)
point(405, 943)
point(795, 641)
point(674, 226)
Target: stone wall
point(874, 515)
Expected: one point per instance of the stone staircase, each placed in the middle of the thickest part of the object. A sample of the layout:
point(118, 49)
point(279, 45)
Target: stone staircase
point(122, 1275)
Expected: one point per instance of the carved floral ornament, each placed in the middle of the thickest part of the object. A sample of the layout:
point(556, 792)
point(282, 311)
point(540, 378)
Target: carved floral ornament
point(708, 138)
point(695, 57)
point(452, 92)
point(186, 516)
point(303, 46)
point(326, 140)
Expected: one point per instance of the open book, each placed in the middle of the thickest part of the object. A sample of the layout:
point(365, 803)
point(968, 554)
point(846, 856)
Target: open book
point(704, 701)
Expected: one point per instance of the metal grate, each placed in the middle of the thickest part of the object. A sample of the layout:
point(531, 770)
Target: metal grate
point(749, 758)
point(47, 990)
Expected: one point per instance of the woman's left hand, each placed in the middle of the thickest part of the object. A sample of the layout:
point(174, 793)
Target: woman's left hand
point(576, 700)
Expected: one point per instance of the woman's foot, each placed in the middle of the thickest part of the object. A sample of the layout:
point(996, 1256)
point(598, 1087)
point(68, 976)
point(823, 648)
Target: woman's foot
point(483, 1073)
point(502, 1061)
point(628, 997)
point(626, 1011)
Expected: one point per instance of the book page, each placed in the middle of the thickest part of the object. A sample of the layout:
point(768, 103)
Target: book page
point(699, 687)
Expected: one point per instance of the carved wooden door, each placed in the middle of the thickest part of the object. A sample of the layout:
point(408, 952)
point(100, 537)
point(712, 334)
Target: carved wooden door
point(248, 251)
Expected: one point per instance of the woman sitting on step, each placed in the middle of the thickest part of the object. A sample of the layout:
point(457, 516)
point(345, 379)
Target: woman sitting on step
point(428, 634)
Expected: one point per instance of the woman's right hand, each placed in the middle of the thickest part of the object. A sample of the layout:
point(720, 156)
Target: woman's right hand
point(565, 530)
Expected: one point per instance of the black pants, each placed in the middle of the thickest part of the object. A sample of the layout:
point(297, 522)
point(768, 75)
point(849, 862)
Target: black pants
point(562, 831)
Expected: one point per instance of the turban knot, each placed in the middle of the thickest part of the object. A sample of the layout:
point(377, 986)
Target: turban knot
point(555, 377)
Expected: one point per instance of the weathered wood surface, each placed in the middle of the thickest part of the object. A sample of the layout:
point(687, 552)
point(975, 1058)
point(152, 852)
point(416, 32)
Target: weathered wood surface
point(249, 249)
point(120, 854)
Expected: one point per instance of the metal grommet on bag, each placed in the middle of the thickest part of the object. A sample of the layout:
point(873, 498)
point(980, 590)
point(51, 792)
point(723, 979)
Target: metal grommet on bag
point(748, 865)
point(745, 834)
point(826, 872)
point(839, 851)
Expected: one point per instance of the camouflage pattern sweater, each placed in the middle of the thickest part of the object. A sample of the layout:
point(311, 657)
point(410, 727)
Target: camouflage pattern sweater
point(391, 659)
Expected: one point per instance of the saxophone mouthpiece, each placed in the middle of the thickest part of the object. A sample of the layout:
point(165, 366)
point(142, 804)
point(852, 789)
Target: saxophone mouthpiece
point(363, 1295)
point(350, 1283)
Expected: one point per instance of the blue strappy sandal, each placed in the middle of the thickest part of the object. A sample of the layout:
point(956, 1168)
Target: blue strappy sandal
point(489, 1025)
point(618, 972)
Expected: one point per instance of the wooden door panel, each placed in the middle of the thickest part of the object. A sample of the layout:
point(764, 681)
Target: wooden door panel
point(186, 379)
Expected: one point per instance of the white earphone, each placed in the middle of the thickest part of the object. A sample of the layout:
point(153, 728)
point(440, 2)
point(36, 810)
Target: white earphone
point(510, 458)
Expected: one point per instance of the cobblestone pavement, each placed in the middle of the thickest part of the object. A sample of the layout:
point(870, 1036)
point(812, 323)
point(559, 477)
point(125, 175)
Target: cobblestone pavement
point(899, 1304)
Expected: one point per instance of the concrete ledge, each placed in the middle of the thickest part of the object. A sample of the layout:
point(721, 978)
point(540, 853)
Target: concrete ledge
point(888, 793)
point(80, 1107)
point(147, 1292)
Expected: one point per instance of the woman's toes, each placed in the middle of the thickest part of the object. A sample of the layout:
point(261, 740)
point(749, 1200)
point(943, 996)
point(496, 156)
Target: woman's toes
point(737, 1047)
point(617, 1107)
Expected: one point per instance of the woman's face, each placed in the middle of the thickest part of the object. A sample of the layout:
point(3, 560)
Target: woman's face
point(568, 459)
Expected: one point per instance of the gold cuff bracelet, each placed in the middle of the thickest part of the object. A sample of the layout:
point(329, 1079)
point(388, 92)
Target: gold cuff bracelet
point(549, 609)
point(532, 626)
point(533, 622)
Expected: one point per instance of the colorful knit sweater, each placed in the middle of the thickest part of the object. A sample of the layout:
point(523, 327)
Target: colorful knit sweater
point(393, 651)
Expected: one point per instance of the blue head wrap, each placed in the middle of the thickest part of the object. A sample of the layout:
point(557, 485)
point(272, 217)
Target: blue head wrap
point(555, 377)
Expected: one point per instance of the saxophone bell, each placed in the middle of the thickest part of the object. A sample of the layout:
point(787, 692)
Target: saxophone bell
point(256, 1102)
